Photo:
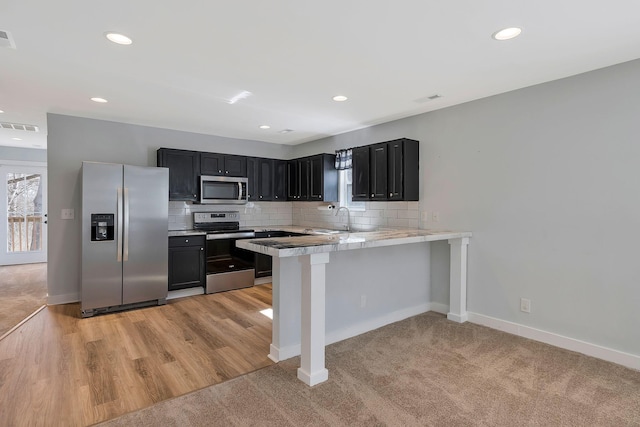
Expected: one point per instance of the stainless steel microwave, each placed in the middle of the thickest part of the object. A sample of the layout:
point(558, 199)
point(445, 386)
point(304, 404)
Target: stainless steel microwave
point(223, 190)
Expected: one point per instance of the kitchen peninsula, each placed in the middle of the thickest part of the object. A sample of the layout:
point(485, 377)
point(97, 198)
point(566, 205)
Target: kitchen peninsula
point(299, 325)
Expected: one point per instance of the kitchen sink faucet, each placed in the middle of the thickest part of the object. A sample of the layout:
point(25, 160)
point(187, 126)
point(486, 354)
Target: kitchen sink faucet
point(348, 216)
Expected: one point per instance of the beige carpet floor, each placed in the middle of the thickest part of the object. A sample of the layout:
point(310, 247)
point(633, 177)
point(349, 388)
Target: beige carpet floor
point(23, 290)
point(423, 371)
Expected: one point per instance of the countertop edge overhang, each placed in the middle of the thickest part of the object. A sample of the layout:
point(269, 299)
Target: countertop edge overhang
point(283, 247)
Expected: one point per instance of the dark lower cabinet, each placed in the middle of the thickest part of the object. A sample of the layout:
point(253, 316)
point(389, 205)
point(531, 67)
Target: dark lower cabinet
point(264, 263)
point(187, 262)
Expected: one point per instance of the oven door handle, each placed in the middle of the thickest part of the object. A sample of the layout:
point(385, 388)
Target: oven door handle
point(241, 235)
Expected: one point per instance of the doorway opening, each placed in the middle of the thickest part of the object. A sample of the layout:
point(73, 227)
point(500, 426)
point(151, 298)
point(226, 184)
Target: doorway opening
point(23, 241)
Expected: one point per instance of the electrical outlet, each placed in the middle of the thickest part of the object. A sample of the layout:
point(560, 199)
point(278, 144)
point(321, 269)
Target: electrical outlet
point(435, 216)
point(67, 214)
point(363, 301)
point(525, 305)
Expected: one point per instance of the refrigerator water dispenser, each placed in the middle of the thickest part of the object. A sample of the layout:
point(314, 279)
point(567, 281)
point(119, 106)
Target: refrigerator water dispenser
point(102, 227)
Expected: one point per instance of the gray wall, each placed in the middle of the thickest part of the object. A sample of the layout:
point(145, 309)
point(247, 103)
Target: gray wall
point(547, 179)
point(72, 140)
point(23, 154)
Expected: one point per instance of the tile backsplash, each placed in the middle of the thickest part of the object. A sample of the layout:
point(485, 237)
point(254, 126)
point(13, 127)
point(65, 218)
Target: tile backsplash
point(261, 214)
point(265, 214)
point(375, 215)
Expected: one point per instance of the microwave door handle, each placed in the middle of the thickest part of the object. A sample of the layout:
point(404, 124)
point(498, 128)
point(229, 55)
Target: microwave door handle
point(239, 191)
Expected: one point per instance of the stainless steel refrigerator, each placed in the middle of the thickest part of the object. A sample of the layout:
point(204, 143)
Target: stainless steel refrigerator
point(124, 236)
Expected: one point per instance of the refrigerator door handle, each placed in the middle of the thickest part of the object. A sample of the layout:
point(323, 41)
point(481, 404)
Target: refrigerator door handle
point(119, 220)
point(125, 240)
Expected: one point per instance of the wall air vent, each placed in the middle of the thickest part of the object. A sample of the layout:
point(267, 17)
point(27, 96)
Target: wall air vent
point(6, 40)
point(427, 98)
point(18, 126)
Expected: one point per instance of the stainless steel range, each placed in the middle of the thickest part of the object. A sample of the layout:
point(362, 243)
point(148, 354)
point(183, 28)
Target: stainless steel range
point(228, 267)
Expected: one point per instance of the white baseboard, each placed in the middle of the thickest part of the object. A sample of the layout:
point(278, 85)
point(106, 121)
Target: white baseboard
point(610, 355)
point(378, 322)
point(439, 308)
point(63, 299)
point(284, 353)
point(262, 280)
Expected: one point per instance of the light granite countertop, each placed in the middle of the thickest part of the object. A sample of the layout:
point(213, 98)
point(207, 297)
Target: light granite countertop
point(343, 241)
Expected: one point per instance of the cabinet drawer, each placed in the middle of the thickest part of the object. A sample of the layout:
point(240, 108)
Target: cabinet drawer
point(175, 241)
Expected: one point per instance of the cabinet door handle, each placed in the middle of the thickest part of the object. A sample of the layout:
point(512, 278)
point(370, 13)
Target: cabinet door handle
point(372, 195)
point(186, 240)
point(276, 197)
point(390, 194)
point(219, 171)
point(227, 172)
point(202, 249)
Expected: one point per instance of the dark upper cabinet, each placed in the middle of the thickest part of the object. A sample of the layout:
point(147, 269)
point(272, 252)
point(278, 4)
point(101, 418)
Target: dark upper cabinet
point(211, 164)
point(223, 165)
point(264, 181)
point(378, 171)
point(312, 178)
point(402, 170)
point(279, 180)
point(184, 171)
point(360, 173)
point(293, 181)
point(386, 171)
point(324, 178)
point(252, 176)
point(303, 178)
point(235, 165)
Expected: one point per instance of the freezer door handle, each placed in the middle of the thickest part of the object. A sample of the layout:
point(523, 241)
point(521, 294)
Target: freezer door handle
point(125, 239)
point(119, 219)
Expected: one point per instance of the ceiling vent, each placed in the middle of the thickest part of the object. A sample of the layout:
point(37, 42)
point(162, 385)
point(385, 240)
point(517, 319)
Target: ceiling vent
point(427, 98)
point(6, 40)
point(18, 126)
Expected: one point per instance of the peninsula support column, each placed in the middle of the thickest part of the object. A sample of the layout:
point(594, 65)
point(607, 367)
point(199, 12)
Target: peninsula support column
point(312, 370)
point(458, 280)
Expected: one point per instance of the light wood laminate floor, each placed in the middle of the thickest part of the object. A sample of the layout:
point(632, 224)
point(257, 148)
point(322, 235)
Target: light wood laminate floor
point(23, 290)
point(59, 369)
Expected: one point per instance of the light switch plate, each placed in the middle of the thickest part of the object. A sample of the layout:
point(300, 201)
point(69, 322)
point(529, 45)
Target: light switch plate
point(67, 214)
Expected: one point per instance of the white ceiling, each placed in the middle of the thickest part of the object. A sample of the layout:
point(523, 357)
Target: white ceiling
point(188, 58)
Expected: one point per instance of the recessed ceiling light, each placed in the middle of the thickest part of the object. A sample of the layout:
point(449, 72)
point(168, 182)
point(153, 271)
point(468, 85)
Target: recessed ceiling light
point(17, 139)
point(1, 111)
point(507, 33)
point(340, 98)
point(265, 127)
point(118, 38)
point(96, 99)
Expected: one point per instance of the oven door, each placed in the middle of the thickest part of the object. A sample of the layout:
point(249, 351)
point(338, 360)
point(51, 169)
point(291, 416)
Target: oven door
point(223, 190)
point(228, 267)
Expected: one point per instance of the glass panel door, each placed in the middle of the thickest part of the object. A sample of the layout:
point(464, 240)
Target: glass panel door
point(22, 215)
